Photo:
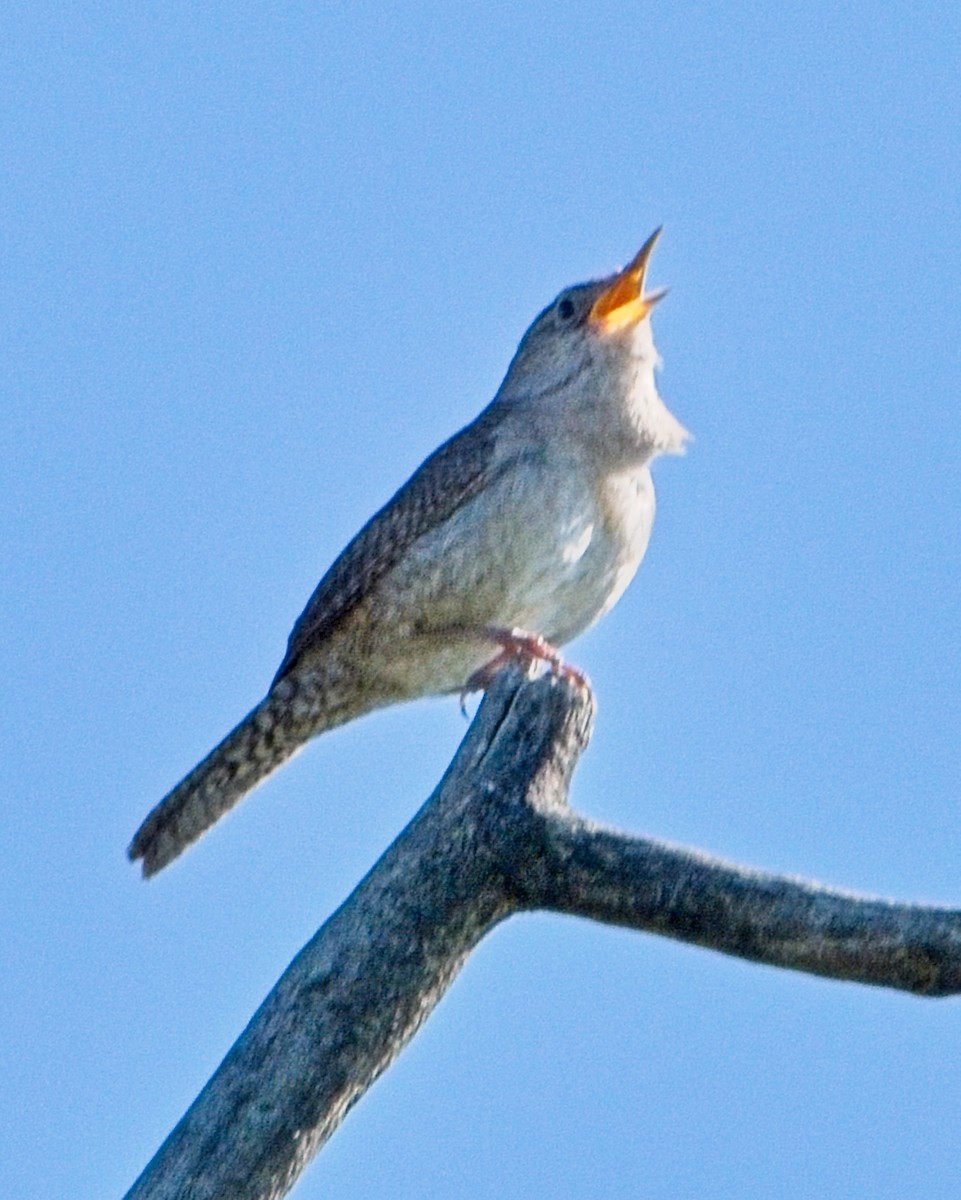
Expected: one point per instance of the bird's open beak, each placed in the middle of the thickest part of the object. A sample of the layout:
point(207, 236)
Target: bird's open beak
point(623, 303)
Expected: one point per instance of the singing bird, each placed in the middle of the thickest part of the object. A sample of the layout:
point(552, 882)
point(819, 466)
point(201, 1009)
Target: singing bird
point(508, 541)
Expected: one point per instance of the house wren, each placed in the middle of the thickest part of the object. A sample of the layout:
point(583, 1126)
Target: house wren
point(512, 538)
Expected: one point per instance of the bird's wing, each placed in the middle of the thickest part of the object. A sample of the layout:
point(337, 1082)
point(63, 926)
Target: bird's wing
point(460, 469)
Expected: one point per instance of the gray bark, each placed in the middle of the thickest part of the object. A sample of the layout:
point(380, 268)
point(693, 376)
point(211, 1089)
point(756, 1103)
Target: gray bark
point(497, 837)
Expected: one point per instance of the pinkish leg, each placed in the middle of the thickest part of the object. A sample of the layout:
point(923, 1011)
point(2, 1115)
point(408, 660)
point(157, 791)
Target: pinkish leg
point(517, 645)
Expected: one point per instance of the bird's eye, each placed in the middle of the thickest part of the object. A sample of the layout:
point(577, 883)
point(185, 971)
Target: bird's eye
point(565, 310)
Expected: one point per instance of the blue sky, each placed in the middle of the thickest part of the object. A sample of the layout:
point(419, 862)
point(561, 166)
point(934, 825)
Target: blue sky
point(258, 260)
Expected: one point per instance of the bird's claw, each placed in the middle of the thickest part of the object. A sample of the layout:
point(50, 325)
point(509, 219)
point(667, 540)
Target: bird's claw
point(519, 646)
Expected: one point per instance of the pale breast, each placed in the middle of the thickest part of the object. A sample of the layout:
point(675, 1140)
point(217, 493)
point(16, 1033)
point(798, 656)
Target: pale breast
point(560, 551)
point(546, 549)
point(600, 556)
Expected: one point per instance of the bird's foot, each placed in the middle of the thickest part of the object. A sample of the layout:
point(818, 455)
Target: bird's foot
point(519, 646)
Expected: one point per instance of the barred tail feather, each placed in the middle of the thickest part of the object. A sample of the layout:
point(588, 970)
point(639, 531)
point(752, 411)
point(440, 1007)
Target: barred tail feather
point(267, 737)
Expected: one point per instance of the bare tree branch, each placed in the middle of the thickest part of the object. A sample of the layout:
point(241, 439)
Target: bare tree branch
point(498, 837)
point(608, 876)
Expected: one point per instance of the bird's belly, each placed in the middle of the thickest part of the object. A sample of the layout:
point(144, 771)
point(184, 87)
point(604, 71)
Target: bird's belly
point(549, 559)
point(558, 556)
point(591, 560)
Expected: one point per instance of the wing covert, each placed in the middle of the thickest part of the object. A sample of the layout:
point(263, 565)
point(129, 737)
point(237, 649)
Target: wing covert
point(458, 470)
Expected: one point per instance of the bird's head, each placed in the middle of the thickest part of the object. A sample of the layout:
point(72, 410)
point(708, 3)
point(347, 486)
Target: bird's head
point(591, 353)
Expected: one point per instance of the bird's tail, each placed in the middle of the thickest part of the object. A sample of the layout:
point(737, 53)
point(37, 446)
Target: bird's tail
point(291, 713)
